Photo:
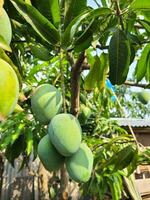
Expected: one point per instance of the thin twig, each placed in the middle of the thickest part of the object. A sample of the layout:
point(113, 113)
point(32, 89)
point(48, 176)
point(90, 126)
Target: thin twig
point(136, 84)
point(119, 13)
point(102, 47)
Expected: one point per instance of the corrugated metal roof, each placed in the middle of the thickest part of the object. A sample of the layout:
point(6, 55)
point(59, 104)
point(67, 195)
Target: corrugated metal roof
point(134, 122)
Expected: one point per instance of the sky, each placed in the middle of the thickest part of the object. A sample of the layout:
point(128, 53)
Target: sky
point(92, 3)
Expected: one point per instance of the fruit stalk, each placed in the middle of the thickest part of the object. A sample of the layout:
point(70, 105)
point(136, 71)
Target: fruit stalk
point(63, 172)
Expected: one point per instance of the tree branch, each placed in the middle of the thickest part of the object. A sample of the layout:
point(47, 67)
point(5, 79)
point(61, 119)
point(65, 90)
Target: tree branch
point(85, 66)
point(136, 84)
point(75, 84)
point(102, 47)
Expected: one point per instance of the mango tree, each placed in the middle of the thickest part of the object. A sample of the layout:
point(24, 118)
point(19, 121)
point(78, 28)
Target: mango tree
point(56, 43)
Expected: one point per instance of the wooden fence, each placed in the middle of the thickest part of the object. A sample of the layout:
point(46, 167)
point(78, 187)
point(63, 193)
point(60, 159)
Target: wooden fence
point(22, 185)
point(25, 185)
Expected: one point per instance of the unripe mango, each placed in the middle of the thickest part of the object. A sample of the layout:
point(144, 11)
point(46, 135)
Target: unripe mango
point(144, 96)
point(65, 133)
point(80, 164)
point(5, 26)
point(9, 89)
point(46, 102)
point(48, 155)
point(85, 113)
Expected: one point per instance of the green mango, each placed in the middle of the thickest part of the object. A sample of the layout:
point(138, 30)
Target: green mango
point(46, 102)
point(65, 133)
point(48, 155)
point(144, 96)
point(5, 27)
point(9, 89)
point(85, 113)
point(80, 164)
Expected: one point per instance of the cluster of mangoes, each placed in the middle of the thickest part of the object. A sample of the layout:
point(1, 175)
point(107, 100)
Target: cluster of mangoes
point(9, 85)
point(63, 143)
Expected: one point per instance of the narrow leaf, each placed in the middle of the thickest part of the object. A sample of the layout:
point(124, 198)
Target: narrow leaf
point(147, 76)
point(140, 4)
point(13, 151)
point(142, 63)
point(38, 22)
point(72, 28)
point(119, 57)
point(41, 52)
point(91, 78)
point(73, 8)
point(50, 9)
point(145, 24)
point(146, 14)
point(124, 157)
point(85, 39)
point(102, 70)
point(84, 44)
point(132, 188)
point(29, 142)
point(54, 8)
point(97, 74)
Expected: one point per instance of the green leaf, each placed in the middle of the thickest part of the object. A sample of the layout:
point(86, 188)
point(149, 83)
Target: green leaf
point(50, 9)
point(104, 3)
point(84, 44)
point(119, 57)
point(97, 74)
point(85, 39)
point(4, 45)
point(145, 24)
point(102, 71)
point(140, 4)
point(132, 188)
point(115, 184)
point(99, 12)
point(29, 142)
point(142, 63)
point(146, 14)
point(123, 158)
point(92, 77)
point(54, 8)
point(72, 28)
point(11, 136)
point(132, 48)
point(41, 52)
point(13, 151)
point(73, 8)
point(38, 22)
point(147, 76)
